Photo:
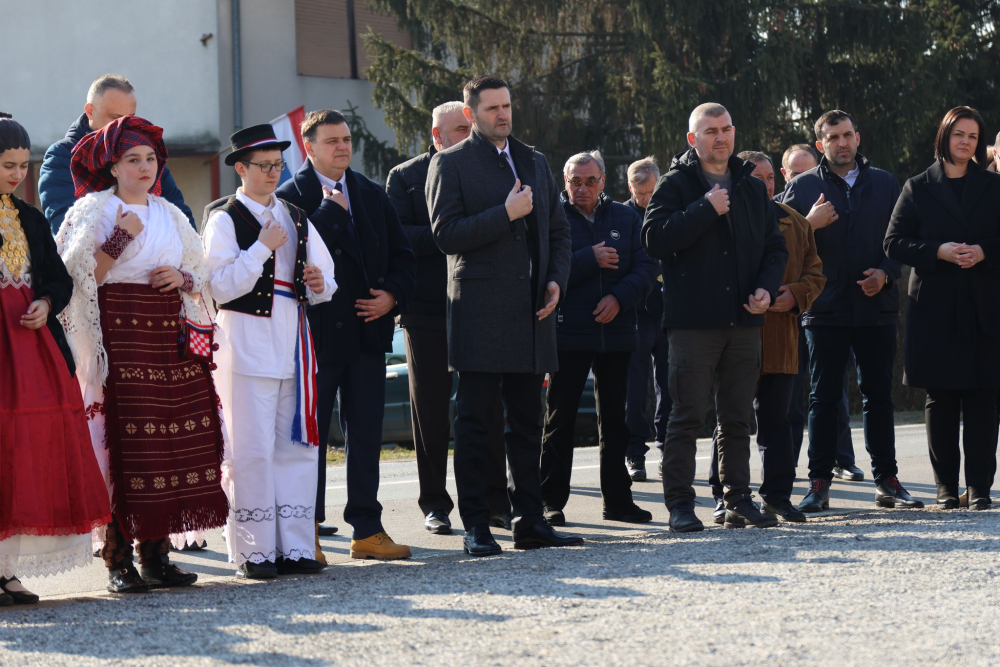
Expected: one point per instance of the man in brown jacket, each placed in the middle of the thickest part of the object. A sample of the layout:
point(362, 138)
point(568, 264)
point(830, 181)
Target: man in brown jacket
point(801, 284)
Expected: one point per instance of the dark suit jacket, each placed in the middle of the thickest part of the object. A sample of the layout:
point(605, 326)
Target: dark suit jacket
point(953, 314)
point(385, 262)
point(49, 277)
point(492, 294)
point(405, 187)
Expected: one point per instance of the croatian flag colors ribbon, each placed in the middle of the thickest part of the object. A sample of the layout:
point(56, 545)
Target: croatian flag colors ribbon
point(305, 427)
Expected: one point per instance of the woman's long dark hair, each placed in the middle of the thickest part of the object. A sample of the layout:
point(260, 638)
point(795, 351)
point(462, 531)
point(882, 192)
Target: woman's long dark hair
point(942, 151)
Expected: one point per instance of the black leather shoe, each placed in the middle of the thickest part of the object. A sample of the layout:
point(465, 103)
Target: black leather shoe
point(683, 519)
point(540, 535)
point(636, 469)
point(437, 522)
point(784, 510)
point(265, 570)
point(300, 566)
point(6, 600)
point(326, 531)
point(719, 515)
point(891, 493)
point(166, 575)
point(554, 517)
point(975, 503)
point(746, 513)
point(18, 593)
point(478, 541)
point(818, 497)
point(126, 579)
point(947, 503)
point(633, 514)
point(502, 520)
point(849, 473)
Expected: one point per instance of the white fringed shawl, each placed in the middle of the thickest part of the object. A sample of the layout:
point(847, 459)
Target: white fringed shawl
point(76, 242)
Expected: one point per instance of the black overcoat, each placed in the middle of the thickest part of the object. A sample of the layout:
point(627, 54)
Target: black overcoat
point(952, 314)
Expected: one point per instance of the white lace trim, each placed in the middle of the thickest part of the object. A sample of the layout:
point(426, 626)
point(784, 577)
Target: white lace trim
point(76, 242)
point(17, 282)
point(78, 554)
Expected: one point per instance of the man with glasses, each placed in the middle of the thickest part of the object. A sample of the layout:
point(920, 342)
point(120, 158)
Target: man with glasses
point(376, 272)
point(267, 263)
point(610, 275)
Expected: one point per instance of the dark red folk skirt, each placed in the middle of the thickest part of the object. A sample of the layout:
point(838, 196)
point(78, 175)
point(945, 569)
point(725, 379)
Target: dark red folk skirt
point(50, 483)
point(164, 437)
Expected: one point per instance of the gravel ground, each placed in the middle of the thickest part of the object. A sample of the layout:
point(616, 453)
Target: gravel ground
point(864, 587)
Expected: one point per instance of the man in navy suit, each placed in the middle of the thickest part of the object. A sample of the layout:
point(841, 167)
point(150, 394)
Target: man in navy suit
point(376, 271)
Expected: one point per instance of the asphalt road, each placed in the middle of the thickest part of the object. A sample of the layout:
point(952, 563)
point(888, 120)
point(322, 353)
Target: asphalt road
point(856, 585)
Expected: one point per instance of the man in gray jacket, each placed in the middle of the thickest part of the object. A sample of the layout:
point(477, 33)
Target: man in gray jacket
point(495, 212)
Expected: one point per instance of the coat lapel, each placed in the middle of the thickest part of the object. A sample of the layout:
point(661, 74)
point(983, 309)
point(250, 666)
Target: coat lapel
point(367, 236)
point(975, 187)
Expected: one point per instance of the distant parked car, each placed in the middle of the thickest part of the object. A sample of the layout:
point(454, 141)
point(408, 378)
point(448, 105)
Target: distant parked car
point(397, 426)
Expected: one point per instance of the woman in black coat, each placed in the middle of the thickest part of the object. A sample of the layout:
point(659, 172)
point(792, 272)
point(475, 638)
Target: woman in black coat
point(946, 225)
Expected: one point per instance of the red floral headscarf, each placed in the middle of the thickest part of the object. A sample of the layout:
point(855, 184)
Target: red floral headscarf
point(93, 156)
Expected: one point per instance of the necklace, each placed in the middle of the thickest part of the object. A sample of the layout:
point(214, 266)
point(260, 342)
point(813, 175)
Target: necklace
point(14, 251)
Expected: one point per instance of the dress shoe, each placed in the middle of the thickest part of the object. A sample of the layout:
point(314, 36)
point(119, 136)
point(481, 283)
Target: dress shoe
point(540, 535)
point(554, 517)
point(437, 522)
point(327, 531)
point(126, 579)
point(265, 570)
point(164, 574)
point(818, 497)
point(849, 473)
point(977, 503)
point(379, 547)
point(478, 541)
point(631, 514)
point(636, 469)
point(784, 510)
point(746, 513)
point(18, 593)
point(891, 493)
point(6, 600)
point(502, 520)
point(300, 566)
point(947, 503)
point(719, 514)
point(683, 518)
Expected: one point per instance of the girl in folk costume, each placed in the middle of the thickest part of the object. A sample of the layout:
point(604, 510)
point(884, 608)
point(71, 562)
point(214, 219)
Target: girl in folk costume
point(138, 273)
point(51, 494)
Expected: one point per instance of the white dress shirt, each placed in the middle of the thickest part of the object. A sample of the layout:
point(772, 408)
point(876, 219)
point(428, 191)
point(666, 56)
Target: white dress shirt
point(261, 346)
point(852, 175)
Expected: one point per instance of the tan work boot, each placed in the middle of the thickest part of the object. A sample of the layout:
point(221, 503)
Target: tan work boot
point(380, 547)
point(320, 556)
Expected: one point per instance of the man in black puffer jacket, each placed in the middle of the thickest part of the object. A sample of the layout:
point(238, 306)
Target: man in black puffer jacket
point(595, 328)
point(714, 230)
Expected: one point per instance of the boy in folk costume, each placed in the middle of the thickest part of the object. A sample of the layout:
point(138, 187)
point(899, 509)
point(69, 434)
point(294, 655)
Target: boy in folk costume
point(267, 263)
point(138, 273)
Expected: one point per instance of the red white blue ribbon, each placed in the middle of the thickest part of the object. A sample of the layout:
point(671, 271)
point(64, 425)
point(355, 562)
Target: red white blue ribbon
point(305, 427)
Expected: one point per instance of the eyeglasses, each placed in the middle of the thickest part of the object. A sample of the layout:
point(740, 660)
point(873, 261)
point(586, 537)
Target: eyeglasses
point(265, 167)
point(591, 182)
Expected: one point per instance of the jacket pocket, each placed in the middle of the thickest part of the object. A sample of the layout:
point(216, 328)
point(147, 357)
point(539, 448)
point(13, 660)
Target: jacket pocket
point(475, 271)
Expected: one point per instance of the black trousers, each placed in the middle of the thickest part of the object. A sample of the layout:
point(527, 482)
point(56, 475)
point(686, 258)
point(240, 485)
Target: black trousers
point(522, 401)
point(705, 365)
point(359, 382)
point(974, 411)
point(430, 402)
point(875, 351)
point(653, 344)
point(797, 413)
point(562, 402)
point(774, 440)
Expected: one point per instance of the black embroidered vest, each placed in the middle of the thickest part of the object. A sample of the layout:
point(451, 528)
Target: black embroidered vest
point(259, 300)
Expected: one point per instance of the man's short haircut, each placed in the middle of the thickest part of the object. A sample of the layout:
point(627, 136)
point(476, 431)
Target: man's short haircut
point(442, 109)
point(710, 109)
point(106, 82)
point(833, 117)
point(314, 119)
point(786, 159)
point(482, 82)
point(641, 170)
point(584, 158)
point(754, 156)
point(942, 148)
